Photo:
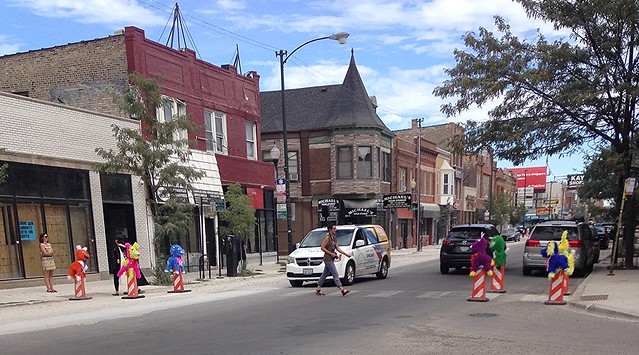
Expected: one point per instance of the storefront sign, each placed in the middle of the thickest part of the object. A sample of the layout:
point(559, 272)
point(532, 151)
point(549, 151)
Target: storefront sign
point(328, 209)
point(27, 230)
point(398, 201)
point(575, 181)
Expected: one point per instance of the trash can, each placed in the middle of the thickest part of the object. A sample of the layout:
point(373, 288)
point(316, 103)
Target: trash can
point(231, 256)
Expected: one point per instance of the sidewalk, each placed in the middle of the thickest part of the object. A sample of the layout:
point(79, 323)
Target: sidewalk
point(606, 295)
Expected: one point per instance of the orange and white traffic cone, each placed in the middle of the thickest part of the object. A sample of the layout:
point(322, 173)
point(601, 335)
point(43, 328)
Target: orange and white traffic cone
point(556, 291)
point(132, 287)
point(479, 287)
point(80, 292)
point(497, 281)
point(566, 285)
point(178, 283)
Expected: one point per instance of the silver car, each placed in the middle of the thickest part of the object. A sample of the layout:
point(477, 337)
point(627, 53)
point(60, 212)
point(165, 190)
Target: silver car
point(580, 239)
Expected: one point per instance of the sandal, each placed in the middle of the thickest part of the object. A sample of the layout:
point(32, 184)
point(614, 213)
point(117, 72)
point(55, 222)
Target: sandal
point(345, 291)
point(319, 292)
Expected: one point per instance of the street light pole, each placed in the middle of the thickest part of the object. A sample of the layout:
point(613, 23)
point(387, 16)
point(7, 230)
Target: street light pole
point(275, 157)
point(419, 184)
point(284, 56)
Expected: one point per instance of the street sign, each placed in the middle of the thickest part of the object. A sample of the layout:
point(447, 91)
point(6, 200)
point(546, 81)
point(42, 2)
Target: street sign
point(551, 202)
point(630, 186)
point(281, 211)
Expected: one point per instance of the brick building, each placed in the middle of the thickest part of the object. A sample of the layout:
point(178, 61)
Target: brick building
point(339, 153)
point(52, 188)
point(223, 103)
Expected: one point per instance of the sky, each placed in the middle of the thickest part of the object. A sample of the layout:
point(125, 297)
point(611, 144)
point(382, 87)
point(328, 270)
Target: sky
point(401, 47)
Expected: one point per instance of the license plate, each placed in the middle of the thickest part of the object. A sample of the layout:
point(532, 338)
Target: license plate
point(307, 271)
point(464, 248)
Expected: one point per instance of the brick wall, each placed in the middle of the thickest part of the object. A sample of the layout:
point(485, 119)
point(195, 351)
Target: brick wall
point(85, 74)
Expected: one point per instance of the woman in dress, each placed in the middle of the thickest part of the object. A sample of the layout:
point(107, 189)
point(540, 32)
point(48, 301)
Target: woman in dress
point(48, 264)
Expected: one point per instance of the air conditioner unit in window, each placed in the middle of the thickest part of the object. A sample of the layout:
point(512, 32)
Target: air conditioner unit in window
point(294, 176)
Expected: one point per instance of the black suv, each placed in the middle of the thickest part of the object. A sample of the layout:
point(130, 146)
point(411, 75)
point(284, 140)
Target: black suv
point(455, 251)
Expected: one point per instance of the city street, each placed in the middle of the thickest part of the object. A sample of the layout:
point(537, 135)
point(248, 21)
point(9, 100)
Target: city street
point(416, 310)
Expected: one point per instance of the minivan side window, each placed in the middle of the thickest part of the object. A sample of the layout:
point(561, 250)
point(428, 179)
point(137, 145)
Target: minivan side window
point(360, 236)
point(372, 239)
point(381, 234)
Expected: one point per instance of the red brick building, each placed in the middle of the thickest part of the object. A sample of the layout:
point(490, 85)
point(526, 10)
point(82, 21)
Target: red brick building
point(223, 103)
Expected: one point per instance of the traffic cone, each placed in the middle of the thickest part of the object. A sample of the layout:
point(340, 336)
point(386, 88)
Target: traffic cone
point(178, 283)
point(479, 287)
point(566, 285)
point(556, 291)
point(497, 281)
point(132, 286)
point(80, 293)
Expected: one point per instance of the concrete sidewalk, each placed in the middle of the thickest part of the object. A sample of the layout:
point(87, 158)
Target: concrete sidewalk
point(606, 295)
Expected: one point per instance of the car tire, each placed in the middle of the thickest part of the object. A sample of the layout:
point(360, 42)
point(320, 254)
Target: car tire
point(527, 271)
point(296, 283)
point(349, 274)
point(383, 269)
point(443, 269)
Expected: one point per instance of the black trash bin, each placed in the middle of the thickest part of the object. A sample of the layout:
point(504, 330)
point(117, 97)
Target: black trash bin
point(231, 256)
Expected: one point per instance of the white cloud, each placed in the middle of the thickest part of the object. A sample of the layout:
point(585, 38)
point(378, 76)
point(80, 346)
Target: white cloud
point(94, 11)
point(7, 48)
point(231, 5)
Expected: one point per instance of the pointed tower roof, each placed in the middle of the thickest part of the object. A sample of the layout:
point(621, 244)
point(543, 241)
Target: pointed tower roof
point(325, 107)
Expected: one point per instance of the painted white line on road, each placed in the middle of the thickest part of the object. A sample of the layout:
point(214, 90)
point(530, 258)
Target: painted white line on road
point(384, 294)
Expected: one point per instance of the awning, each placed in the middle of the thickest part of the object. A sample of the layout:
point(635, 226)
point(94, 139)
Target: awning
point(430, 210)
point(367, 208)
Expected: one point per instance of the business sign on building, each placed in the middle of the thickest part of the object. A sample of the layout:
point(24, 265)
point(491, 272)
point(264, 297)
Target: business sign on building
point(533, 176)
point(575, 181)
point(398, 201)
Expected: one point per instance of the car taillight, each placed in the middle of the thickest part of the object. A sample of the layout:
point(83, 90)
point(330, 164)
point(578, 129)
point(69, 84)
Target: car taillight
point(532, 243)
point(575, 243)
point(446, 242)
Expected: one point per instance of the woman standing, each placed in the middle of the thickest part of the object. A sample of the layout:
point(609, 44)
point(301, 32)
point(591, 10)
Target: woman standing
point(48, 264)
point(330, 247)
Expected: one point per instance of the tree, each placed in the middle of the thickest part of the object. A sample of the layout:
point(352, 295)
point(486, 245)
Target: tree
point(554, 97)
point(502, 208)
point(600, 181)
point(157, 156)
point(238, 218)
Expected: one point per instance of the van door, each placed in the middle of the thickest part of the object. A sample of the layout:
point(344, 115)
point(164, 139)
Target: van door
point(362, 254)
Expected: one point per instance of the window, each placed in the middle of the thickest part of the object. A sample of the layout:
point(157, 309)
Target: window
point(215, 125)
point(251, 145)
point(379, 174)
point(364, 162)
point(386, 166)
point(344, 162)
point(172, 109)
point(448, 184)
point(293, 166)
point(401, 180)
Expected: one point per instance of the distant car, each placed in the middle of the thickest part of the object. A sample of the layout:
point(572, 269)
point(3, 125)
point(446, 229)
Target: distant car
point(601, 236)
point(455, 250)
point(580, 239)
point(368, 244)
point(610, 229)
point(511, 234)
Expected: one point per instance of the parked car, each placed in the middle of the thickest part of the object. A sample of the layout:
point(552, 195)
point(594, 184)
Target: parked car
point(511, 234)
point(580, 239)
point(455, 250)
point(368, 244)
point(611, 229)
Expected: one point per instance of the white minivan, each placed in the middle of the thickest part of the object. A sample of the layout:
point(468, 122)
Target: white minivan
point(368, 245)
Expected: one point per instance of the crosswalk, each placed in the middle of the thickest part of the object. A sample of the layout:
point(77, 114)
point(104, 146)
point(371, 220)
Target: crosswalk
point(413, 294)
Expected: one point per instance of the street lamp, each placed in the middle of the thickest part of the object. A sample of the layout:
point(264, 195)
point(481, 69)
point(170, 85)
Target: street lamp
point(419, 184)
point(413, 184)
point(275, 156)
point(284, 56)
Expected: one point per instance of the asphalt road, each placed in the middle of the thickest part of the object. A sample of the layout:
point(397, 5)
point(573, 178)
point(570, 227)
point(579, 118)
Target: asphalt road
point(415, 310)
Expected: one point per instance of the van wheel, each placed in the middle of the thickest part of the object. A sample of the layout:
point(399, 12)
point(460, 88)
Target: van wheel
point(349, 274)
point(383, 270)
point(296, 283)
point(443, 269)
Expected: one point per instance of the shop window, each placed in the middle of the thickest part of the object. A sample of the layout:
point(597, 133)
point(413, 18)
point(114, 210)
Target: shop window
point(9, 260)
point(80, 218)
point(116, 188)
point(78, 184)
point(25, 181)
point(53, 185)
point(57, 229)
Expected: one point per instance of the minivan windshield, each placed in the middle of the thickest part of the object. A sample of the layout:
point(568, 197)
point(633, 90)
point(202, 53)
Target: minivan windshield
point(553, 233)
point(315, 238)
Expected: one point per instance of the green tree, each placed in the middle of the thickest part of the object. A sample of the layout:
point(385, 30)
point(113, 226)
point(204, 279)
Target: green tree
point(3, 168)
point(554, 96)
point(502, 208)
point(156, 156)
point(238, 218)
point(517, 215)
point(600, 181)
